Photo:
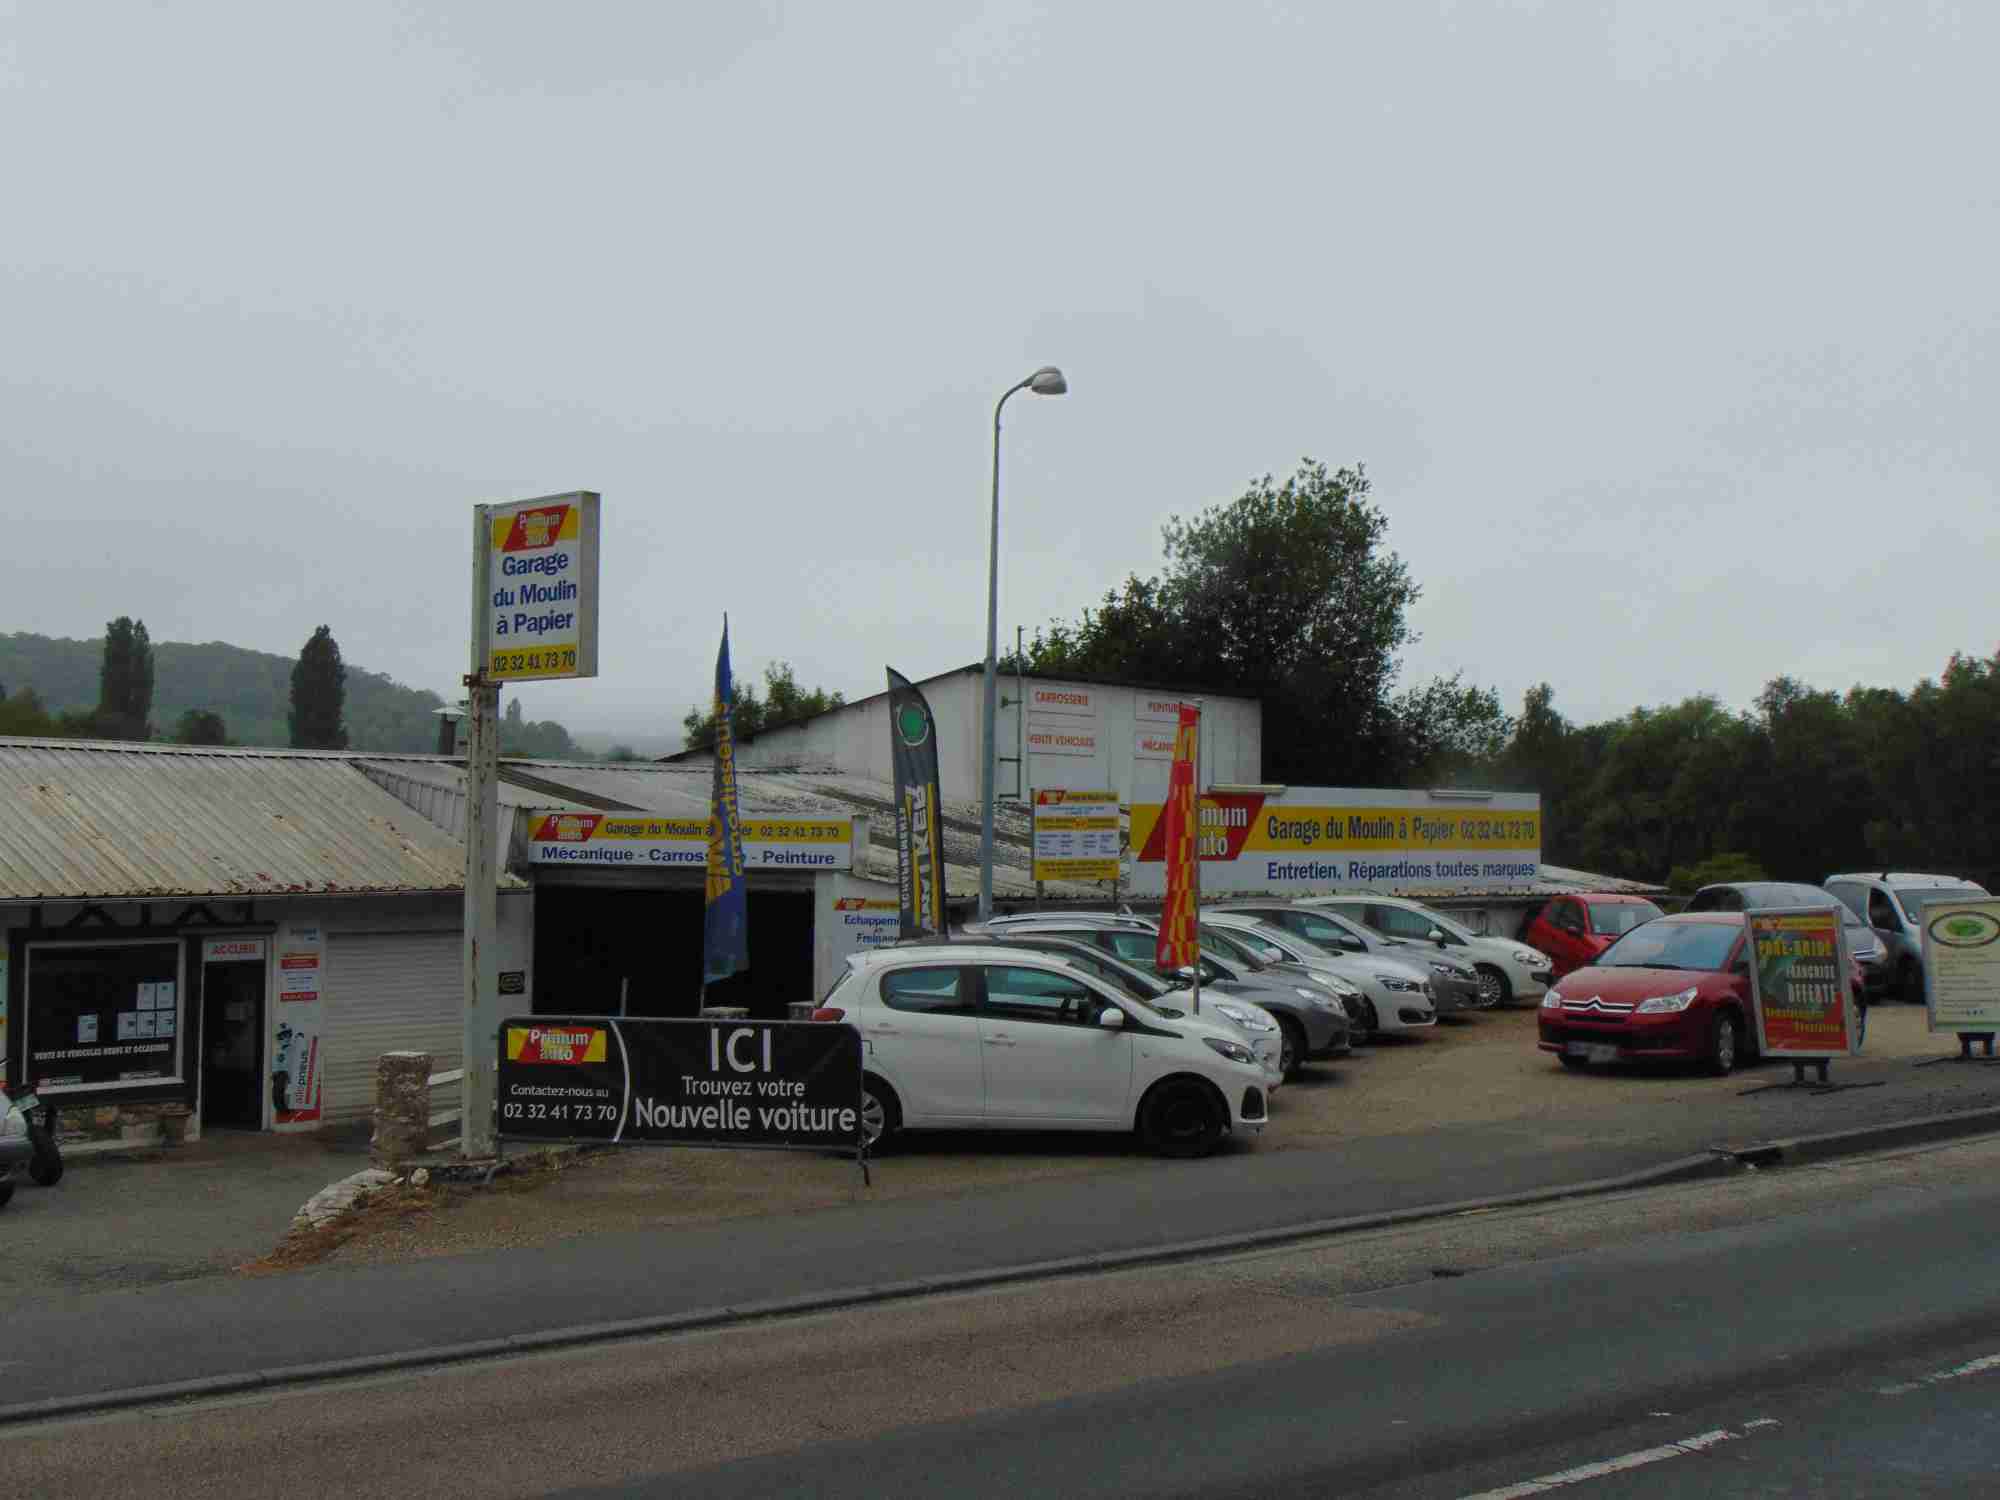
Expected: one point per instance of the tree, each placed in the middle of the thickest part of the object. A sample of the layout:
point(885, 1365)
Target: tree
point(784, 702)
point(124, 684)
point(319, 695)
point(1717, 869)
point(198, 726)
point(23, 714)
point(1286, 594)
point(621, 755)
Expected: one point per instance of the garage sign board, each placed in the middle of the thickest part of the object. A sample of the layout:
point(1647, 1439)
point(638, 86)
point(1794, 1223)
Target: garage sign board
point(587, 838)
point(535, 569)
point(1962, 963)
point(1306, 839)
point(1799, 983)
point(680, 1082)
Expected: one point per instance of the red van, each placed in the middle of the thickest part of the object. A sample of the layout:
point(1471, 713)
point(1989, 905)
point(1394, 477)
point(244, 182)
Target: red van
point(1573, 930)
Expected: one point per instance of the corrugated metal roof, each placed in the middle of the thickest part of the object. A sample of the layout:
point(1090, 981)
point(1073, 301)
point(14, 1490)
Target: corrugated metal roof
point(102, 820)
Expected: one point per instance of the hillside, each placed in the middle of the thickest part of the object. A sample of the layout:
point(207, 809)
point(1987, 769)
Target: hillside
point(250, 689)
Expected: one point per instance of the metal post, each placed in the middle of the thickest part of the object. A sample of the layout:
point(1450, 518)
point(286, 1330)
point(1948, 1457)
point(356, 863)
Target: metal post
point(987, 750)
point(480, 1038)
point(1194, 875)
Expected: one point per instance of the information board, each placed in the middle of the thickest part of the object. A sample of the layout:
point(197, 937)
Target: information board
point(1962, 963)
point(1076, 835)
point(674, 1082)
point(1799, 983)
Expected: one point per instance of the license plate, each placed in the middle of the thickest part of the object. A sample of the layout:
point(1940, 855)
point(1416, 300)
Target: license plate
point(1594, 1051)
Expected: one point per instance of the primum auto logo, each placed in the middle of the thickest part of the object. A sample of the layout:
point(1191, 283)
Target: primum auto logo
point(567, 828)
point(555, 1044)
point(1964, 929)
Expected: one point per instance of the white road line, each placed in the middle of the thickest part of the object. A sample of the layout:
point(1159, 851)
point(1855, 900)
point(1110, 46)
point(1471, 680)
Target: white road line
point(1958, 1372)
point(1699, 1443)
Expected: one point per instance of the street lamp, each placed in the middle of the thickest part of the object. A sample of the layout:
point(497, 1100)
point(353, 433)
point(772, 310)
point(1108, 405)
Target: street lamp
point(1047, 381)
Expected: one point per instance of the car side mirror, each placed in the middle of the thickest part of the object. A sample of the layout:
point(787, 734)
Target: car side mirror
point(1111, 1017)
point(1437, 936)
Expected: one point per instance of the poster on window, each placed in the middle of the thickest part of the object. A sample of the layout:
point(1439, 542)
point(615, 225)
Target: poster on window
point(296, 1029)
point(1799, 984)
point(81, 1004)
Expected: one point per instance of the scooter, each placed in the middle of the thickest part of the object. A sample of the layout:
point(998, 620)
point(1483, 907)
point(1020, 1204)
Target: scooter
point(45, 1167)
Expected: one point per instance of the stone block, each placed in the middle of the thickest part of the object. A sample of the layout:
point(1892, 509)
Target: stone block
point(402, 1108)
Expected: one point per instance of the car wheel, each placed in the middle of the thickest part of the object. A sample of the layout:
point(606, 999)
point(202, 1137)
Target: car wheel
point(1291, 1048)
point(46, 1166)
point(1725, 1036)
point(1574, 1064)
point(1494, 990)
point(1910, 982)
point(881, 1112)
point(1182, 1119)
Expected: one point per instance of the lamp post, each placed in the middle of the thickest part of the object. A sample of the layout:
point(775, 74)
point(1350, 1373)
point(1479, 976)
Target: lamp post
point(1047, 381)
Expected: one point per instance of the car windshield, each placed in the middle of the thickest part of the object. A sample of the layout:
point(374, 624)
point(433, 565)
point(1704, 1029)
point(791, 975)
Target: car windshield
point(1913, 897)
point(1674, 945)
point(1611, 918)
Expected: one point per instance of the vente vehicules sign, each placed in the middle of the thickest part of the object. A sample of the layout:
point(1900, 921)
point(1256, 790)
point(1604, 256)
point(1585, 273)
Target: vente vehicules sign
point(680, 1082)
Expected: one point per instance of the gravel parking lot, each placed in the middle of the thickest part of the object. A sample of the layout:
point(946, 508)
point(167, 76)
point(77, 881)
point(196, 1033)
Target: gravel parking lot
point(1481, 1071)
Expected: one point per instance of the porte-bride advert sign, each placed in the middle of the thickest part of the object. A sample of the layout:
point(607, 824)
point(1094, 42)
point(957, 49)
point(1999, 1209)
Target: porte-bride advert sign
point(1962, 963)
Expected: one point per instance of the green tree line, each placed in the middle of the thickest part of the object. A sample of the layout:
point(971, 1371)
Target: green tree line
point(1289, 594)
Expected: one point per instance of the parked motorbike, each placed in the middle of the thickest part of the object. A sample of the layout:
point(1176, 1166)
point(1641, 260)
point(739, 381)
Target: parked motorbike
point(45, 1166)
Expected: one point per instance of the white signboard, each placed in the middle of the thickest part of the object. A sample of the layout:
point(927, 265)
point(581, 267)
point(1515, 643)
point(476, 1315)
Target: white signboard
point(538, 611)
point(1961, 961)
point(295, 1053)
point(1076, 835)
point(564, 838)
point(1153, 744)
point(232, 950)
point(1307, 839)
point(1153, 710)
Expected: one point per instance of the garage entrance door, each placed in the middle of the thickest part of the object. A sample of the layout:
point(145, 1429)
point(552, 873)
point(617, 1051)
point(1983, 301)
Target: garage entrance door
point(389, 992)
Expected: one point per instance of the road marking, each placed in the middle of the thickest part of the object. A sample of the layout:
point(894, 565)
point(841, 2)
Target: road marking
point(1701, 1442)
point(1957, 1372)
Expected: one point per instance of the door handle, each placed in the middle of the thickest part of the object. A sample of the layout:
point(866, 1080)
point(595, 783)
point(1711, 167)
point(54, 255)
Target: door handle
point(881, 1030)
point(999, 1041)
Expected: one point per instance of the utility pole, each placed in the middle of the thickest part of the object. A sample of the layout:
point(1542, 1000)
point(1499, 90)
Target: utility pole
point(479, 1048)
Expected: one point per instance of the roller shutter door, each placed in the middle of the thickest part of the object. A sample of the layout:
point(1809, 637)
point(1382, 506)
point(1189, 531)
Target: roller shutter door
point(389, 992)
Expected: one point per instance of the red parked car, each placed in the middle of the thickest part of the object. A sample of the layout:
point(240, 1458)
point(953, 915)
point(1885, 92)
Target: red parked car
point(1677, 988)
point(1573, 930)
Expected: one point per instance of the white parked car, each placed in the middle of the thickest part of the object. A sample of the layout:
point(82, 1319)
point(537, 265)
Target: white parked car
point(1507, 970)
point(1395, 995)
point(965, 1036)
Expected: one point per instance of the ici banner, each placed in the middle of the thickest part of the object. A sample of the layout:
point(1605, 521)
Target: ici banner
point(697, 1082)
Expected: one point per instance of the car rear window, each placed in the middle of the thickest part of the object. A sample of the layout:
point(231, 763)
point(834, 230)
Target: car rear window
point(1611, 918)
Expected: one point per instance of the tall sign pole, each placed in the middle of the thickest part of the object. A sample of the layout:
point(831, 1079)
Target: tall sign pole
point(534, 617)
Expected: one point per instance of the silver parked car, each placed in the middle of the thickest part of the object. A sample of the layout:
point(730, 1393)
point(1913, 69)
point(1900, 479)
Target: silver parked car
point(1453, 985)
point(1395, 996)
point(1892, 906)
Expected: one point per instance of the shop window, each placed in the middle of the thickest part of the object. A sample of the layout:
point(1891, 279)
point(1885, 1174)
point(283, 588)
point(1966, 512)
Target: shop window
point(103, 1015)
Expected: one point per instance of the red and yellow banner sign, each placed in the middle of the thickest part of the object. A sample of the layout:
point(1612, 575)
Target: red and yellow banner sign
point(1799, 976)
point(569, 1045)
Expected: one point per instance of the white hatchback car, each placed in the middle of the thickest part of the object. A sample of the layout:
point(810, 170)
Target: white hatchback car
point(965, 1036)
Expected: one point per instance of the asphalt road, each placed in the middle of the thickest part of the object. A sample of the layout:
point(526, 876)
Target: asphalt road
point(1811, 1331)
point(223, 1326)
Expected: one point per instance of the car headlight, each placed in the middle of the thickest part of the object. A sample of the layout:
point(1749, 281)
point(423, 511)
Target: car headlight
point(1450, 971)
point(1236, 1052)
point(1249, 1020)
point(1527, 958)
point(1552, 1001)
point(1400, 986)
point(1323, 1002)
point(1664, 1004)
point(13, 1123)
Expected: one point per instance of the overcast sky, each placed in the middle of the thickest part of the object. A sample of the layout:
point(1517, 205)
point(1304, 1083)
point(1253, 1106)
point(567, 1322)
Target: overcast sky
point(1666, 330)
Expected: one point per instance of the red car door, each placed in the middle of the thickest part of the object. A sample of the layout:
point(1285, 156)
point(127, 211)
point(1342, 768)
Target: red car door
point(1563, 932)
